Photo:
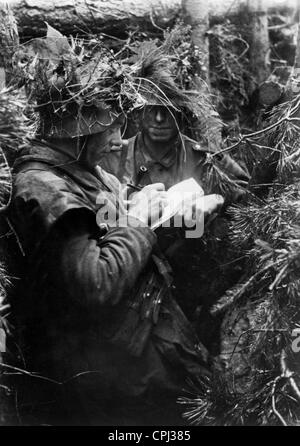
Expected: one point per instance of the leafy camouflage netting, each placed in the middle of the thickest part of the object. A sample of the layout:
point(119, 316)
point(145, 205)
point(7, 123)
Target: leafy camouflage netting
point(196, 104)
point(66, 77)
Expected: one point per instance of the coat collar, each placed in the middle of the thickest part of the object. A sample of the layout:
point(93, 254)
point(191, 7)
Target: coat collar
point(88, 179)
point(167, 161)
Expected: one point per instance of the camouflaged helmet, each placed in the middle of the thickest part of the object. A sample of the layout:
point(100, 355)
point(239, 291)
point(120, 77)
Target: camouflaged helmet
point(78, 87)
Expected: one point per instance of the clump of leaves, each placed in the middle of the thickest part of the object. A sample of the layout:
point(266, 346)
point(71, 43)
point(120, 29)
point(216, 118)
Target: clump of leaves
point(187, 58)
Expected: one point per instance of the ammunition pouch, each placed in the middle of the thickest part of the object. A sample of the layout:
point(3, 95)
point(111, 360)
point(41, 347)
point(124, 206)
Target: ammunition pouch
point(151, 315)
point(142, 309)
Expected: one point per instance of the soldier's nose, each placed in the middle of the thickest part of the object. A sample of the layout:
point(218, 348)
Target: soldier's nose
point(116, 141)
point(160, 116)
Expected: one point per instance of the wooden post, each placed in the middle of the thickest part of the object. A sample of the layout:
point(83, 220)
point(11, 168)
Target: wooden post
point(196, 14)
point(260, 46)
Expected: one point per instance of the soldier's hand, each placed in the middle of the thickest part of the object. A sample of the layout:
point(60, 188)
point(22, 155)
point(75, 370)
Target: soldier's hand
point(235, 171)
point(198, 207)
point(212, 204)
point(239, 175)
point(148, 204)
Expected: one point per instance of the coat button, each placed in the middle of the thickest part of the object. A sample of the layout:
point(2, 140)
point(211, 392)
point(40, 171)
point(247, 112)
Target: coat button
point(143, 169)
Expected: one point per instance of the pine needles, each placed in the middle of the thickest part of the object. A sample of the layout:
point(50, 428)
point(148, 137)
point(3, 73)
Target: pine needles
point(230, 74)
point(259, 359)
point(13, 132)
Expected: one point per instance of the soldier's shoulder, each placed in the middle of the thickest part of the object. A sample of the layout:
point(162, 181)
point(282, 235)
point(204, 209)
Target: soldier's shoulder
point(36, 182)
point(196, 146)
point(48, 193)
point(31, 169)
point(33, 176)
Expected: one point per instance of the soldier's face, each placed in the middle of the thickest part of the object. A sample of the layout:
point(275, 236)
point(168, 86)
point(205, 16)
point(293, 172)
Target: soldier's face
point(103, 142)
point(159, 123)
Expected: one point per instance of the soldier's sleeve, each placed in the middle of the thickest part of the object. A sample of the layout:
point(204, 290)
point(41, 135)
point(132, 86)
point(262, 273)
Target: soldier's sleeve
point(63, 237)
point(234, 169)
point(238, 176)
point(101, 270)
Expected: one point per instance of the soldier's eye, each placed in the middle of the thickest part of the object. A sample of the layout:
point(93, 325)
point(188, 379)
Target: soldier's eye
point(120, 121)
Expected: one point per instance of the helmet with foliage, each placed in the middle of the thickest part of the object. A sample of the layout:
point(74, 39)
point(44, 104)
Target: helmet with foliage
point(169, 69)
point(155, 67)
point(78, 86)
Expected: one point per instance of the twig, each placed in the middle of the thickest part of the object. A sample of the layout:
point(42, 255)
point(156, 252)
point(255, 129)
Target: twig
point(153, 23)
point(5, 388)
point(16, 236)
point(286, 118)
point(45, 378)
point(283, 25)
point(278, 277)
point(3, 309)
point(31, 374)
point(6, 166)
point(276, 380)
point(257, 330)
point(251, 135)
point(288, 374)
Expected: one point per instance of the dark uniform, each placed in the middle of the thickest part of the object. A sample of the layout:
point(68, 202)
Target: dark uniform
point(186, 159)
point(96, 302)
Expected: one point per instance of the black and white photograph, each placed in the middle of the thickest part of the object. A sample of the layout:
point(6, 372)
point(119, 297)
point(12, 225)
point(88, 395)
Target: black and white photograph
point(150, 215)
